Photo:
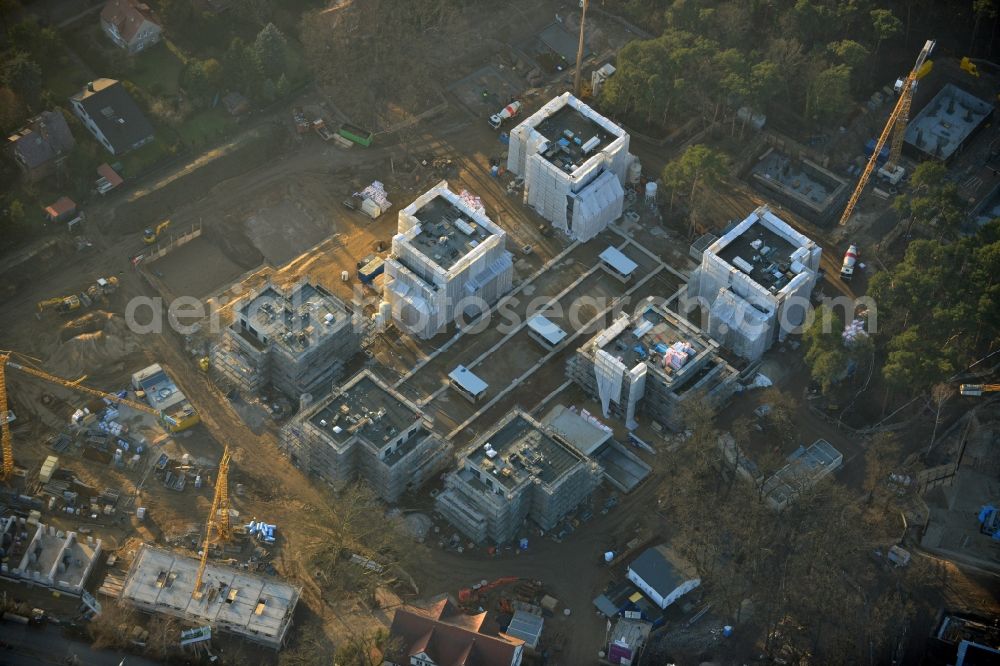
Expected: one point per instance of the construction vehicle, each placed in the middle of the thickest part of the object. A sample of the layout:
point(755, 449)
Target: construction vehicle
point(325, 133)
point(114, 398)
point(150, 235)
point(102, 288)
point(969, 67)
point(301, 122)
point(218, 520)
point(896, 125)
point(850, 259)
point(976, 390)
point(476, 592)
point(506, 113)
point(64, 304)
point(204, 364)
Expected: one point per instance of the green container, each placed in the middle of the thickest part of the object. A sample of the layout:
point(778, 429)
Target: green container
point(356, 134)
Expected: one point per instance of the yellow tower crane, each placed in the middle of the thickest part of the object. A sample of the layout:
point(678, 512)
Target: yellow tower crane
point(5, 361)
point(218, 519)
point(897, 121)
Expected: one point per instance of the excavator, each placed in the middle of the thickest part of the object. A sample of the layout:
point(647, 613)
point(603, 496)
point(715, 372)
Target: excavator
point(5, 437)
point(102, 288)
point(62, 304)
point(150, 235)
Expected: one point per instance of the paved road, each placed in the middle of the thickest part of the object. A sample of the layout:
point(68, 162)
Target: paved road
point(47, 645)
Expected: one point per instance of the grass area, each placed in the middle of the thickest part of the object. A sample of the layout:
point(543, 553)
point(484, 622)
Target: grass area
point(205, 126)
point(139, 161)
point(157, 70)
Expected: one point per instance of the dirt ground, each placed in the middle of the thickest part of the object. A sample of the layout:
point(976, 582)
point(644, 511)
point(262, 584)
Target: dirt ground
point(284, 220)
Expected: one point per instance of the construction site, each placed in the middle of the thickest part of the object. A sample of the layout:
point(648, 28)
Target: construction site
point(508, 364)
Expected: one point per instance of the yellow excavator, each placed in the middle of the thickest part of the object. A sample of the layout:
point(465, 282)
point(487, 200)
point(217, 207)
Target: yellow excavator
point(61, 304)
point(150, 235)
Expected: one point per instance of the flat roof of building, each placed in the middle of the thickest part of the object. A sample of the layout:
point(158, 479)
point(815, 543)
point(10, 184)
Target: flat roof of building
point(805, 467)
point(522, 451)
point(584, 434)
point(658, 338)
point(248, 605)
point(294, 319)
point(946, 122)
point(762, 246)
point(614, 258)
point(364, 406)
point(569, 132)
point(161, 391)
point(547, 329)
point(447, 233)
point(467, 380)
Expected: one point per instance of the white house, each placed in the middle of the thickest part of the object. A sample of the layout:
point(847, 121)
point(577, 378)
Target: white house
point(662, 576)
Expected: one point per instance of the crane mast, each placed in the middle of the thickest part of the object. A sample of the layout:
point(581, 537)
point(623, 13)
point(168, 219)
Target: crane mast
point(5, 436)
point(897, 121)
point(219, 524)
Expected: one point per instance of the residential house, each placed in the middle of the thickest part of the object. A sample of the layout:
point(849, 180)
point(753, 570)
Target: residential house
point(662, 575)
point(442, 635)
point(41, 145)
point(130, 24)
point(112, 116)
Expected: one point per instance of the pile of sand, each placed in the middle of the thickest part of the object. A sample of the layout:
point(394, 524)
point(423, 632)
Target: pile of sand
point(94, 351)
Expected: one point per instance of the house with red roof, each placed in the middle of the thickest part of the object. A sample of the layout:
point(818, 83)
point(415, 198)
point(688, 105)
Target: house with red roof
point(130, 24)
point(442, 635)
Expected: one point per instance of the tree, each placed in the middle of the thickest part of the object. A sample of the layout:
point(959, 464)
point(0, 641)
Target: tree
point(881, 457)
point(829, 93)
point(239, 67)
point(270, 49)
point(849, 52)
point(981, 9)
point(23, 75)
point(176, 14)
point(42, 44)
point(886, 26)
point(697, 166)
point(12, 112)
point(933, 200)
point(7, 9)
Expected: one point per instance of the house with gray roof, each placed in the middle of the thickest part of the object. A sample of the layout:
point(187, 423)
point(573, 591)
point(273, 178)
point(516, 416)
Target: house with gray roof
point(662, 575)
point(112, 116)
point(41, 145)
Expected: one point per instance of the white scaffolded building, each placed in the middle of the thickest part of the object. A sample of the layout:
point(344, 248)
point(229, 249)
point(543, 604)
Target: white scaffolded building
point(448, 259)
point(755, 283)
point(574, 162)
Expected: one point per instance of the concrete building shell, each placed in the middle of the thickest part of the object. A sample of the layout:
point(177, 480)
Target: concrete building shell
point(627, 366)
point(52, 558)
point(517, 470)
point(296, 339)
point(448, 259)
point(574, 163)
point(366, 429)
point(755, 283)
point(255, 608)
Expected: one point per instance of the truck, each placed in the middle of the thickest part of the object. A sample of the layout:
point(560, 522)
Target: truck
point(505, 113)
point(356, 134)
point(850, 259)
point(319, 125)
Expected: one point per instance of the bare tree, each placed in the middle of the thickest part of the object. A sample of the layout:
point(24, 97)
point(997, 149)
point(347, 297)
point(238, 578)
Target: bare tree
point(939, 394)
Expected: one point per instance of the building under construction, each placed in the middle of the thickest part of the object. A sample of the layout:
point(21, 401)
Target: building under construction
point(517, 470)
point(253, 607)
point(42, 555)
point(647, 365)
point(366, 429)
point(755, 282)
point(296, 340)
point(574, 162)
point(945, 125)
point(448, 259)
